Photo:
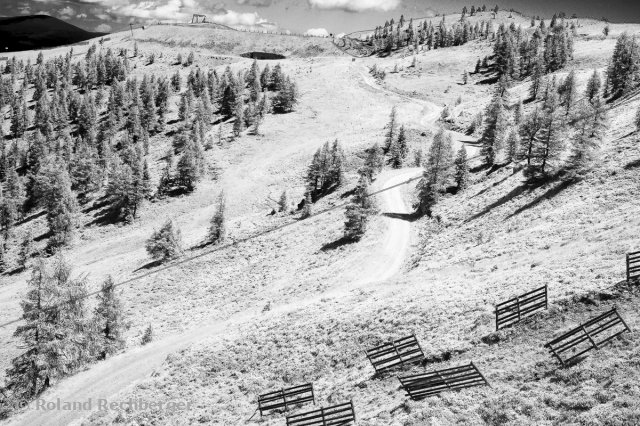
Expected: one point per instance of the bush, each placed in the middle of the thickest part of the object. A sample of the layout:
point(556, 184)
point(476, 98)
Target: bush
point(164, 244)
point(147, 337)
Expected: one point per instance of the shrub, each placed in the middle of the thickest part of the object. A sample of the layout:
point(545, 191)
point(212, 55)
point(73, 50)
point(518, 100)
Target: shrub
point(164, 244)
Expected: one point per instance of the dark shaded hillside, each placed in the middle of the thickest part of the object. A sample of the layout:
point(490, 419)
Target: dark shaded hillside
point(38, 31)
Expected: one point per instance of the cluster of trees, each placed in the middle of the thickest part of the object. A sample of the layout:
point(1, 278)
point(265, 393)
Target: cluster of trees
point(539, 138)
point(93, 124)
point(518, 55)
point(441, 170)
point(395, 143)
point(326, 171)
point(397, 35)
point(59, 334)
point(623, 72)
point(165, 244)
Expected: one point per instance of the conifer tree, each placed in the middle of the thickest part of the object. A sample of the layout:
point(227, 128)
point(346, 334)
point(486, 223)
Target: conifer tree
point(307, 209)
point(165, 243)
point(238, 124)
point(187, 170)
point(624, 71)
point(392, 128)
point(399, 149)
point(53, 188)
point(594, 85)
point(3, 260)
point(358, 211)
point(437, 172)
point(108, 318)
point(549, 144)
point(461, 169)
point(512, 146)
point(283, 202)
point(493, 133)
point(26, 249)
point(217, 227)
point(517, 114)
point(373, 162)
point(55, 332)
point(568, 92)
point(122, 191)
point(536, 80)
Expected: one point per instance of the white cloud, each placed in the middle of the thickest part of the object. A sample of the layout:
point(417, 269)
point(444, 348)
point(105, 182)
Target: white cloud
point(232, 18)
point(81, 15)
point(356, 5)
point(255, 3)
point(317, 32)
point(103, 28)
point(67, 11)
point(341, 35)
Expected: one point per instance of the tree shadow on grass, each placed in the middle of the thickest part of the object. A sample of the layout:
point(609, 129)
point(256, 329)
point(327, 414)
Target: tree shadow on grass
point(150, 265)
point(548, 195)
point(30, 218)
point(632, 165)
point(516, 192)
point(337, 244)
point(409, 217)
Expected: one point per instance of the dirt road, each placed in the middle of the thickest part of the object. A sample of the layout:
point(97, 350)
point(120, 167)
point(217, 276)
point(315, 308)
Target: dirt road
point(107, 379)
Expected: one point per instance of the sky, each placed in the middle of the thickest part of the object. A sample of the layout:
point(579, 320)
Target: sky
point(313, 16)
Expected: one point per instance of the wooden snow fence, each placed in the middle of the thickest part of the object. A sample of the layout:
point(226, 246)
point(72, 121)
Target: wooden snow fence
point(633, 266)
point(585, 337)
point(429, 384)
point(514, 310)
point(392, 354)
point(285, 398)
point(337, 415)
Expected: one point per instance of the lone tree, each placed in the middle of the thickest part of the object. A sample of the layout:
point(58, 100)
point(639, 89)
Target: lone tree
point(217, 227)
point(165, 243)
point(358, 211)
point(437, 172)
point(283, 202)
point(392, 129)
point(108, 320)
point(493, 133)
point(462, 169)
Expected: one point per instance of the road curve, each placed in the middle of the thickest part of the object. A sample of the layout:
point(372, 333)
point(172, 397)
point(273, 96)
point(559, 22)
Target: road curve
point(107, 379)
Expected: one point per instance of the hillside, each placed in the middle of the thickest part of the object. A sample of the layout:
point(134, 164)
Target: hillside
point(230, 42)
point(39, 32)
point(287, 301)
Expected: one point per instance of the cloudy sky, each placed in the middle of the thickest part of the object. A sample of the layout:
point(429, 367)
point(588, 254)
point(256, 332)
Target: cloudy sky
point(316, 16)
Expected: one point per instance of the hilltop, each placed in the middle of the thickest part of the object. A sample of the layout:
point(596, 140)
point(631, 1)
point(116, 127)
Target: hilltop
point(39, 32)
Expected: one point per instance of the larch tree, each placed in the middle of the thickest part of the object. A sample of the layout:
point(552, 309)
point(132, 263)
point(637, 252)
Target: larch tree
point(494, 128)
point(461, 169)
point(165, 243)
point(217, 226)
point(358, 211)
point(594, 85)
point(392, 129)
point(437, 174)
point(108, 319)
point(55, 195)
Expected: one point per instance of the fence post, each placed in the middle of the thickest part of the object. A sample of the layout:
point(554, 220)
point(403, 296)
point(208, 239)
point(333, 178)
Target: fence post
point(546, 297)
point(628, 274)
point(497, 318)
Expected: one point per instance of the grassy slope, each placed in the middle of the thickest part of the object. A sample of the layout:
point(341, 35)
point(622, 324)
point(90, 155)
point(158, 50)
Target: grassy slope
point(444, 296)
point(255, 170)
point(496, 240)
